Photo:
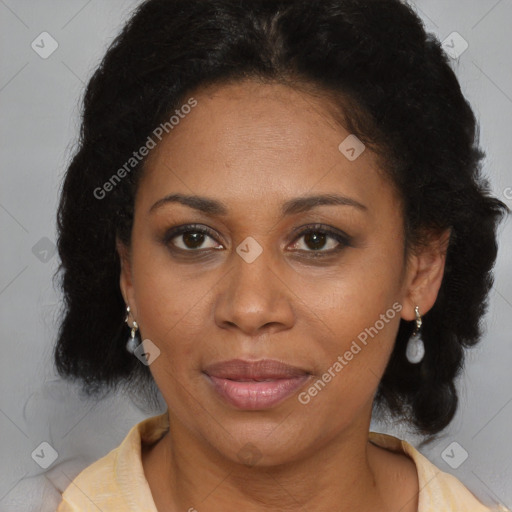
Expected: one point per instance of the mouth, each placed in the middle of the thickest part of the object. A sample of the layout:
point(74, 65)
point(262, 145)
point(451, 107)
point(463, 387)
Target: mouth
point(255, 385)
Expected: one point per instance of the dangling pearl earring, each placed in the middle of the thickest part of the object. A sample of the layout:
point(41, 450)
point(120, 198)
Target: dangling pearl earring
point(415, 347)
point(132, 344)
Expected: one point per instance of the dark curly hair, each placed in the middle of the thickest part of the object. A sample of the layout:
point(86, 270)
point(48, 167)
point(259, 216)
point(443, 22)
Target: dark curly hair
point(398, 94)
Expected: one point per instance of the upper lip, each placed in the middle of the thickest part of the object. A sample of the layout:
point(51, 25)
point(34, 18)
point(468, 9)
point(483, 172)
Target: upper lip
point(240, 369)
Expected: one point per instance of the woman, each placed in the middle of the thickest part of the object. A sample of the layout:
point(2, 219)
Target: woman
point(279, 204)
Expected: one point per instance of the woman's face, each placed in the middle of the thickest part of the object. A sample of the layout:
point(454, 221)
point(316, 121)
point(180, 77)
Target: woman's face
point(247, 162)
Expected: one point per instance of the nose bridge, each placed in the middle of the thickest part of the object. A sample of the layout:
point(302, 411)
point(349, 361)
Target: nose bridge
point(253, 295)
point(252, 277)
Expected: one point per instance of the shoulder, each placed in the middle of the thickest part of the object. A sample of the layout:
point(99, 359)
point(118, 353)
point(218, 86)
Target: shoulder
point(116, 481)
point(438, 490)
point(94, 487)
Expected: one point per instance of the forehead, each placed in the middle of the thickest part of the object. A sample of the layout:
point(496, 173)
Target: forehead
point(250, 143)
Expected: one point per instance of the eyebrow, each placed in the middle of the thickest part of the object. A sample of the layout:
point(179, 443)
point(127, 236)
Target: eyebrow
point(290, 207)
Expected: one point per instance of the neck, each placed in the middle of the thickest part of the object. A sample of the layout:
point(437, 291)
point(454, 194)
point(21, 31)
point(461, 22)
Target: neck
point(341, 475)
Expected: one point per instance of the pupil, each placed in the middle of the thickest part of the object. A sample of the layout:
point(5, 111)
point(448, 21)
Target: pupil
point(317, 240)
point(193, 240)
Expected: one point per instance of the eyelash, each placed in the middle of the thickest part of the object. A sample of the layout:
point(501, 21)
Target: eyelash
point(343, 239)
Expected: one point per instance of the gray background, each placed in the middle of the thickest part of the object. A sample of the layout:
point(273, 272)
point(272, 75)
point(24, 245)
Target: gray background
point(39, 101)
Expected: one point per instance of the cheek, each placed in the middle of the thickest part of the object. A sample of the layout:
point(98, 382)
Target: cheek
point(352, 296)
point(171, 307)
point(353, 361)
point(359, 306)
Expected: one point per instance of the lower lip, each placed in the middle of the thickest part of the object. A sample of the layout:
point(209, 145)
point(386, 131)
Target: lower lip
point(256, 395)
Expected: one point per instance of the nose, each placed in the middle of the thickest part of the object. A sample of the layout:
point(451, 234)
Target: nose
point(254, 298)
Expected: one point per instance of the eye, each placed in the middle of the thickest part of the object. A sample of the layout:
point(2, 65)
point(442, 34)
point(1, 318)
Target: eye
point(317, 239)
point(190, 237)
point(320, 239)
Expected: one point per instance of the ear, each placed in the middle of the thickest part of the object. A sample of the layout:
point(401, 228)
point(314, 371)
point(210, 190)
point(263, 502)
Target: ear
point(424, 275)
point(125, 278)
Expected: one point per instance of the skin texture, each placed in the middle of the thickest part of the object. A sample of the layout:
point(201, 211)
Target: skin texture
point(254, 146)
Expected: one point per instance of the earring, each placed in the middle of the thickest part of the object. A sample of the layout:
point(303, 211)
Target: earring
point(415, 347)
point(131, 345)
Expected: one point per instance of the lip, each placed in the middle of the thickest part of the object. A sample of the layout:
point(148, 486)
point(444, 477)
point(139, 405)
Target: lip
point(255, 385)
